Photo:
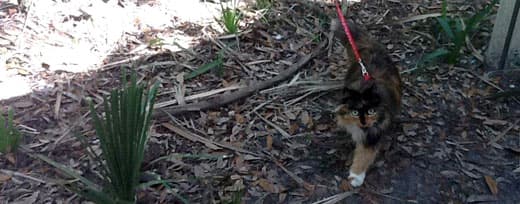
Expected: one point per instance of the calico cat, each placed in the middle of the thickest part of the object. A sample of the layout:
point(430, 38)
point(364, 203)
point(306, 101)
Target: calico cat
point(368, 107)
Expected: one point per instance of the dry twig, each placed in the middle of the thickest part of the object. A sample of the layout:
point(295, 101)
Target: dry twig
point(293, 176)
point(503, 133)
point(224, 99)
point(14, 173)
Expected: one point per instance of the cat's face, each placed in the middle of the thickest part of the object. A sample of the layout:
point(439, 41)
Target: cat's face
point(360, 110)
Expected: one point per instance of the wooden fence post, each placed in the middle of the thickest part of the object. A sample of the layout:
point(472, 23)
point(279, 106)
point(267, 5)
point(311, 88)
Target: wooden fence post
point(504, 47)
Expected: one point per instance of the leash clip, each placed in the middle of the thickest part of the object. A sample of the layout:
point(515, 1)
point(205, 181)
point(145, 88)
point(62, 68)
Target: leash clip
point(364, 72)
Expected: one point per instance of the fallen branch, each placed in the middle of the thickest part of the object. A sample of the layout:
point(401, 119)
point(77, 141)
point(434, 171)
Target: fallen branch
point(225, 99)
point(197, 96)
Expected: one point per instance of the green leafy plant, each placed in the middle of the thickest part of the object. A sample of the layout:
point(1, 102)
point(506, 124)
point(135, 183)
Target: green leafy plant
point(123, 134)
point(156, 42)
point(9, 135)
point(455, 30)
point(230, 17)
point(264, 4)
point(215, 64)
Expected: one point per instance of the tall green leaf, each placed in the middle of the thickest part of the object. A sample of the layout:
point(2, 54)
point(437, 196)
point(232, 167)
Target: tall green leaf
point(9, 135)
point(445, 25)
point(435, 55)
point(215, 64)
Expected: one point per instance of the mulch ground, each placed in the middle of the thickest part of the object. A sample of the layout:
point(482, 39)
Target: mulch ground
point(452, 142)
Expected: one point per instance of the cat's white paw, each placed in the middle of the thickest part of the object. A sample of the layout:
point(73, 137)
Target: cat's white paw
point(356, 180)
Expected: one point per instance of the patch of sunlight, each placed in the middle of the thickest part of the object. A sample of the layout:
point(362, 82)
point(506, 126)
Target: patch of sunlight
point(78, 36)
point(11, 87)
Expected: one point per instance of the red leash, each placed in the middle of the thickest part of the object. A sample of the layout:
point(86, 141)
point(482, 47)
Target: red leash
point(364, 71)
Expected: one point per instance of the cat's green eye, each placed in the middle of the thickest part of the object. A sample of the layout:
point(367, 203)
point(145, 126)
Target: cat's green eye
point(371, 111)
point(354, 113)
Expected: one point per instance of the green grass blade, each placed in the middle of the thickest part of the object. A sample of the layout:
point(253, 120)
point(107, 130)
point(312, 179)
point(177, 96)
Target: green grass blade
point(66, 170)
point(4, 135)
point(445, 25)
point(444, 8)
point(436, 54)
point(472, 23)
point(460, 33)
point(9, 135)
point(205, 68)
point(92, 154)
point(230, 18)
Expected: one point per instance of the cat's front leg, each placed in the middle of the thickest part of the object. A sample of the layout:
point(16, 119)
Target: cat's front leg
point(364, 156)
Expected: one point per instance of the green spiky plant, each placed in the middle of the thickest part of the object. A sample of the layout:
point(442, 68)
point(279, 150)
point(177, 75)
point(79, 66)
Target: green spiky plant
point(123, 134)
point(9, 135)
point(230, 17)
point(455, 30)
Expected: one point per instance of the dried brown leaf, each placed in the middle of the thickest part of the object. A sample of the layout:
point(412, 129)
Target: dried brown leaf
point(306, 119)
point(240, 118)
point(293, 128)
point(4, 178)
point(10, 157)
point(269, 141)
point(309, 187)
point(345, 185)
point(492, 184)
point(267, 185)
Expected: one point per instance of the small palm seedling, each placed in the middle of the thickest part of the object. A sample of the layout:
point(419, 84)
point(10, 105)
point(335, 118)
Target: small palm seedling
point(456, 31)
point(9, 135)
point(230, 18)
point(123, 133)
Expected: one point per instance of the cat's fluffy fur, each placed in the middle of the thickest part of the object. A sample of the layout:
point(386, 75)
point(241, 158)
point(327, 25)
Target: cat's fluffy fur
point(367, 108)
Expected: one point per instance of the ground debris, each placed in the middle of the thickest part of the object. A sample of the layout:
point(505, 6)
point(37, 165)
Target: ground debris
point(274, 142)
